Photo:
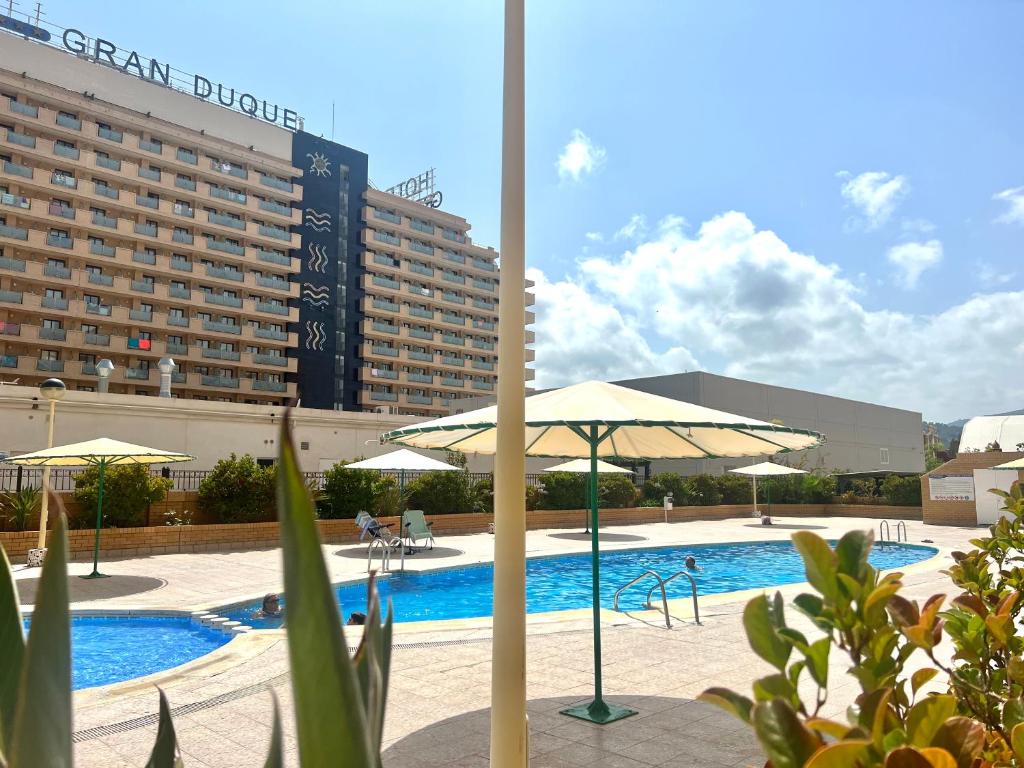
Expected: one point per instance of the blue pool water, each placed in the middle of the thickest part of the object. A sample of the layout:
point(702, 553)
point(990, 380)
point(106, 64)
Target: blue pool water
point(108, 650)
point(564, 582)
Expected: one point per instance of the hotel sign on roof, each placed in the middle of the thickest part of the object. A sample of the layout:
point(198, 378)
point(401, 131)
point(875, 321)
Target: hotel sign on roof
point(101, 51)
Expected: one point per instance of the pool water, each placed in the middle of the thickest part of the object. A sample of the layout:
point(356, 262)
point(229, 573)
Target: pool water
point(109, 649)
point(564, 582)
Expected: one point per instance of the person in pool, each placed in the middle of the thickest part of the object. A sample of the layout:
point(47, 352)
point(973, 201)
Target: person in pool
point(691, 564)
point(271, 608)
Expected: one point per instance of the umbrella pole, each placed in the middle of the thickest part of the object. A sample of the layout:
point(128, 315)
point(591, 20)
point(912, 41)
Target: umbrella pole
point(597, 711)
point(99, 520)
point(586, 501)
point(754, 477)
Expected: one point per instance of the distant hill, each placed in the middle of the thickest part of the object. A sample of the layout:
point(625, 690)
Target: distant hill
point(951, 431)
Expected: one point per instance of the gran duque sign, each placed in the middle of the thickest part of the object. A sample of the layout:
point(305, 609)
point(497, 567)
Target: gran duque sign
point(130, 62)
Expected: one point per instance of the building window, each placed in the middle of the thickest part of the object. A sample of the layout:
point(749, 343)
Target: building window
point(883, 456)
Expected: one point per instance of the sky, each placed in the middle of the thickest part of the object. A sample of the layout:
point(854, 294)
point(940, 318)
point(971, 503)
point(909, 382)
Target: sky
point(827, 196)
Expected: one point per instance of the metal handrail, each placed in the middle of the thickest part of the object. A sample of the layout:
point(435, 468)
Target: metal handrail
point(882, 537)
point(693, 585)
point(903, 525)
point(641, 577)
point(386, 551)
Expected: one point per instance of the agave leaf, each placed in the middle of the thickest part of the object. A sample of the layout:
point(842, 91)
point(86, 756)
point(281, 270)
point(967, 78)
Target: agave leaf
point(275, 759)
point(12, 649)
point(329, 717)
point(42, 720)
point(372, 662)
point(165, 750)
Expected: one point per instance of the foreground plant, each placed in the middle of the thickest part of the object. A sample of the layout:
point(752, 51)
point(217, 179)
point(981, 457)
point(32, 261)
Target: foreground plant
point(339, 701)
point(977, 723)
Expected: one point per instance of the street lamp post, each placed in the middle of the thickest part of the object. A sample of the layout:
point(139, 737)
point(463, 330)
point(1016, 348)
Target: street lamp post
point(53, 390)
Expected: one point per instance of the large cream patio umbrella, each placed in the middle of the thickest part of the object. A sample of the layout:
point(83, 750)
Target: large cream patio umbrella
point(595, 419)
point(765, 469)
point(402, 461)
point(582, 467)
point(102, 452)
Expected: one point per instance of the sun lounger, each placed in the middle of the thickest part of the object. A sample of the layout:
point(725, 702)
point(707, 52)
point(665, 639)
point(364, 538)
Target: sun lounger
point(416, 529)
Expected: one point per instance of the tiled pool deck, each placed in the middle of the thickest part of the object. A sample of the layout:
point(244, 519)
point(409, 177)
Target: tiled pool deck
point(437, 712)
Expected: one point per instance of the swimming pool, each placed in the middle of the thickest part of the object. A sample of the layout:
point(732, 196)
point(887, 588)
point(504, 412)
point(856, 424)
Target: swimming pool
point(563, 582)
point(109, 649)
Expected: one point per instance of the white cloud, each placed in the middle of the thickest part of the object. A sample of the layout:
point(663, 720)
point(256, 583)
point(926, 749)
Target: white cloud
point(594, 237)
point(1014, 198)
point(875, 195)
point(911, 259)
point(579, 157)
point(740, 301)
point(917, 227)
point(990, 277)
point(635, 228)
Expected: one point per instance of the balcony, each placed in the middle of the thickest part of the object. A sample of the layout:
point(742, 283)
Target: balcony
point(483, 285)
point(387, 237)
point(98, 278)
point(51, 366)
point(274, 309)
point(151, 146)
point(458, 258)
point(97, 339)
point(421, 312)
point(270, 333)
point(59, 209)
point(141, 315)
point(484, 385)
point(54, 302)
point(280, 360)
point(487, 266)
point(481, 344)
point(276, 232)
point(423, 356)
point(104, 310)
point(177, 292)
point(24, 109)
point(148, 230)
point(420, 290)
point(386, 261)
point(451, 234)
point(141, 257)
point(383, 373)
point(481, 304)
point(55, 270)
point(420, 269)
point(453, 277)
point(9, 361)
point(63, 180)
point(110, 163)
point(387, 306)
point(419, 333)
point(110, 134)
point(142, 286)
point(275, 183)
point(11, 297)
point(220, 381)
point(453, 319)
point(453, 297)
point(380, 213)
point(229, 169)
point(420, 400)
point(15, 233)
point(419, 247)
point(67, 121)
point(99, 249)
point(187, 157)
point(485, 325)
point(225, 273)
point(458, 362)
point(272, 206)
point(183, 237)
point(148, 201)
point(184, 183)
point(53, 334)
point(377, 350)
point(102, 220)
point(225, 247)
point(269, 281)
point(219, 327)
point(227, 194)
point(420, 378)
point(222, 354)
point(183, 265)
point(17, 170)
point(181, 209)
point(452, 382)
point(21, 138)
point(483, 365)
point(222, 300)
point(177, 320)
point(456, 341)
point(274, 258)
point(63, 150)
point(389, 397)
point(226, 221)
point(106, 191)
point(385, 327)
point(262, 385)
point(139, 374)
point(173, 348)
point(178, 378)
point(12, 265)
point(421, 226)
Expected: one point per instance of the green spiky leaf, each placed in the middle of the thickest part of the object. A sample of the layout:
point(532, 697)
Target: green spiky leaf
point(12, 649)
point(165, 752)
point(275, 756)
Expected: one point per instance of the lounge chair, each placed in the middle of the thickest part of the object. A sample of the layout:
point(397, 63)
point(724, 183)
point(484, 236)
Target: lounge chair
point(381, 538)
point(416, 529)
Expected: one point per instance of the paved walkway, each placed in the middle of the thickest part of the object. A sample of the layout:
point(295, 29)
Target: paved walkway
point(437, 713)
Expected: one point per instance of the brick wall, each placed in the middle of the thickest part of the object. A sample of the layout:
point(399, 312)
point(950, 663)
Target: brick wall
point(960, 512)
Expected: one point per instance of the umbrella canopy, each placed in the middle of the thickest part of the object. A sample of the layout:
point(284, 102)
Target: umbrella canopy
point(599, 419)
point(630, 424)
point(582, 466)
point(1015, 464)
point(403, 460)
point(102, 452)
point(767, 469)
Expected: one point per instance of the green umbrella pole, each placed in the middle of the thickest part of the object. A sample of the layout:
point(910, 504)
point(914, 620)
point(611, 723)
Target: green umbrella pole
point(597, 711)
point(99, 520)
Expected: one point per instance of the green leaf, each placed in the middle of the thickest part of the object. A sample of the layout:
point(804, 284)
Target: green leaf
point(820, 562)
point(922, 677)
point(810, 605)
point(372, 663)
point(852, 551)
point(766, 642)
point(730, 701)
point(773, 686)
point(963, 738)
point(275, 757)
point(817, 660)
point(1013, 713)
point(906, 757)
point(165, 750)
point(12, 649)
point(329, 717)
point(842, 754)
point(874, 605)
point(926, 717)
point(786, 741)
point(42, 720)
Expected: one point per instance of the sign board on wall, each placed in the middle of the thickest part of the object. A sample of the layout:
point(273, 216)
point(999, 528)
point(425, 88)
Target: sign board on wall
point(951, 488)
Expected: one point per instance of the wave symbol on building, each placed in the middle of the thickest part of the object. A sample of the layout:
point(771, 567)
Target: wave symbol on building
point(317, 258)
point(316, 295)
point(318, 222)
point(315, 336)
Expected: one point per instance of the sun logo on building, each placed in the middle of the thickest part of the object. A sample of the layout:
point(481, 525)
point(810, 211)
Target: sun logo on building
point(319, 164)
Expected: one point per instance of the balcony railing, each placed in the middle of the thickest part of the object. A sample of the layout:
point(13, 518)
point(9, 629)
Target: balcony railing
point(228, 382)
point(380, 213)
point(51, 366)
point(453, 382)
point(385, 396)
point(420, 269)
point(17, 170)
point(110, 134)
point(11, 297)
point(141, 374)
point(457, 341)
point(173, 348)
point(386, 261)
point(149, 230)
point(483, 365)
point(276, 232)
point(225, 273)
point(481, 304)
point(184, 210)
point(487, 266)
point(420, 312)
point(222, 354)
point(458, 362)
point(55, 270)
point(483, 285)
point(266, 281)
point(98, 278)
point(67, 121)
point(182, 237)
point(387, 306)
point(153, 174)
point(224, 247)
point(222, 300)
point(383, 373)
point(99, 249)
point(59, 209)
point(270, 333)
point(151, 146)
point(104, 310)
point(142, 257)
point(484, 385)
point(53, 334)
point(24, 109)
point(220, 327)
point(386, 237)
point(458, 258)
point(225, 220)
point(141, 315)
point(182, 183)
point(97, 339)
point(106, 190)
point(386, 282)
point(451, 234)
point(181, 264)
point(16, 233)
point(383, 351)
point(453, 319)
point(260, 359)
point(111, 163)
point(417, 333)
point(177, 292)
point(11, 264)
point(187, 157)
point(274, 309)
point(64, 180)
point(420, 400)
point(272, 206)
point(386, 327)
point(15, 201)
point(481, 344)
point(275, 183)
point(59, 241)
point(419, 247)
point(102, 220)
point(227, 194)
point(453, 277)
point(422, 226)
point(178, 378)
point(454, 298)
point(420, 378)
point(65, 151)
point(142, 286)
point(21, 138)
point(9, 361)
point(229, 169)
point(262, 385)
point(423, 356)
point(274, 258)
point(180, 322)
point(148, 201)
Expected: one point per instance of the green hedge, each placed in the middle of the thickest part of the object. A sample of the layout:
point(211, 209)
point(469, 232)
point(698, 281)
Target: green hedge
point(127, 492)
point(239, 490)
point(350, 491)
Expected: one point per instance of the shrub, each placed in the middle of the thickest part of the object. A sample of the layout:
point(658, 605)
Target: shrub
point(441, 493)
point(817, 489)
point(658, 486)
point(902, 491)
point(615, 491)
point(17, 508)
point(702, 490)
point(388, 499)
point(534, 497)
point(350, 491)
point(238, 490)
point(482, 492)
point(127, 491)
point(564, 490)
point(735, 489)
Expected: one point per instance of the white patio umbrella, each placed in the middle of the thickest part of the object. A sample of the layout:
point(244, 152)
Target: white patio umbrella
point(102, 452)
point(582, 466)
point(596, 418)
point(402, 461)
point(766, 469)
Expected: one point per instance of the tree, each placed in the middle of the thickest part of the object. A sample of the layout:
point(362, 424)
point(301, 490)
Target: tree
point(350, 491)
point(239, 490)
point(127, 492)
point(441, 493)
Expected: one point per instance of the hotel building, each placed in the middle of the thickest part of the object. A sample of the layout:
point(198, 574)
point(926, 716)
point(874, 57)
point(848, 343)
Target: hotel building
point(138, 222)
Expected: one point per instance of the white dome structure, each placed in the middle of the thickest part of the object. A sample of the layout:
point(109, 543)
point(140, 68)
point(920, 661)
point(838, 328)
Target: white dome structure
point(982, 431)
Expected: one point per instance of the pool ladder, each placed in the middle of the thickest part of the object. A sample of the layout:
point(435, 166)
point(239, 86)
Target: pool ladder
point(887, 535)
point(385, 554)
point(661, 584)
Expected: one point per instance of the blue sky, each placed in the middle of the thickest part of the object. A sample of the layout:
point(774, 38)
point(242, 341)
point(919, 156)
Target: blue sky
point(901, 291)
